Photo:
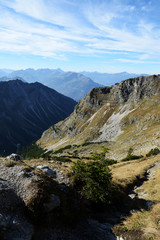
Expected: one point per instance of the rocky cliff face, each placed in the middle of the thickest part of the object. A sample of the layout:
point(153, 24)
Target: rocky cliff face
point(26, 110)
point(121, 114)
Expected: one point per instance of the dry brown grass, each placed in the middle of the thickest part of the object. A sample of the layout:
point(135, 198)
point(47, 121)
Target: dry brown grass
point(11, 163)
point(27, 168)
point(144, 221)
point(147, 222)
point(63, 166)
point(125, 173)
point(152, 187)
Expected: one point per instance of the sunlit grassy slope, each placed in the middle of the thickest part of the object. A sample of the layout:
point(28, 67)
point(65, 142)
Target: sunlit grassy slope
point(120, 126)
point(146, 222)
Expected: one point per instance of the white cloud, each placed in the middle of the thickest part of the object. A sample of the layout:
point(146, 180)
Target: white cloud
point(137, 61)
point(53, 28)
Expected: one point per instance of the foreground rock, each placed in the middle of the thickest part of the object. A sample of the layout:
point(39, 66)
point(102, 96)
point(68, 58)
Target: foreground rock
point(36, 204)
point(13, 223)
point(14, 157)
point(19, 192)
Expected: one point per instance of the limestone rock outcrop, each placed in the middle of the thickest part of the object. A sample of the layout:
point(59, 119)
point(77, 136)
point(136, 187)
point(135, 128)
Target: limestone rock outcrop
point(122, 114)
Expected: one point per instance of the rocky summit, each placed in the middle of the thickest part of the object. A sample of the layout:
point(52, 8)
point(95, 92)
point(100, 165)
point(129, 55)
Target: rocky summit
point(124, 115)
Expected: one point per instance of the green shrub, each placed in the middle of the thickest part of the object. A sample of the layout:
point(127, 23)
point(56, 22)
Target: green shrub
point(31, 151)
point(34, 151)
point(62, 149)
point(100, 156)
point(130, 151)
point(153, 151)
point(86, 144)
point(62, 159)
point(47, 155)
point(108, 161)
point(94, 181)
point(131, 157)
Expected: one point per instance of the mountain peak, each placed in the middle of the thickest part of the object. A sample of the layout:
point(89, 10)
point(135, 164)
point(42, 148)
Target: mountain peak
point(112, 114)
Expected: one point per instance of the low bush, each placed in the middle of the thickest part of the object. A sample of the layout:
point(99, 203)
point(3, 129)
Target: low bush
point(94, 181)
point(47, 155)
point(100, 156)
point(87, 143)
point(31, 151)
point(131, 157)
point(62, 159)
point(34, 151)
point(153, 151)
point(109, 161)
point(62, 149)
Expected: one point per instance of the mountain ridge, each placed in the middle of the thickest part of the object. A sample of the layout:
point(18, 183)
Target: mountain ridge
point(73, 84)
point(109, 79)
point(111, 114)
point(27, 110)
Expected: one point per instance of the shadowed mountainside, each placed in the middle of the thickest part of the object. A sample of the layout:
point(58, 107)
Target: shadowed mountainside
point(26, 110)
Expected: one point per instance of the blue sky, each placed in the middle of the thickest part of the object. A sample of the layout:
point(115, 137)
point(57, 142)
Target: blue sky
point(92, 35)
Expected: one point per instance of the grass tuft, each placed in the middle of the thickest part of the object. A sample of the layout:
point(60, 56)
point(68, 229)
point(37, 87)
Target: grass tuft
point(10, 163)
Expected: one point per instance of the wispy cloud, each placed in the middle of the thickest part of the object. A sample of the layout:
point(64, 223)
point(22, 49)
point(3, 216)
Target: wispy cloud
point(55, 28)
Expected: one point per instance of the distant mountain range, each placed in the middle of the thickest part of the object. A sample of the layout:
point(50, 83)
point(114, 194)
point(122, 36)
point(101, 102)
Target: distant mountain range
point(26, 110)
point(5, 72)
point(109, 79)
point(71, 84)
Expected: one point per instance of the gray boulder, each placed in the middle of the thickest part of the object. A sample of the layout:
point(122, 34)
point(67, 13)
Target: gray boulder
point(14, 157)
point(47, 170)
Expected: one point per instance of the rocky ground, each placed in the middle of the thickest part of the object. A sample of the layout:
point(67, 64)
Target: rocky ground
point(32, 204)
point(18, 192)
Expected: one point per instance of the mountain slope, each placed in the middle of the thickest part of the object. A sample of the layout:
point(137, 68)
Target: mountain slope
point(109, 79)
point(124, 115)
point(26, 110)
point(74, 85)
